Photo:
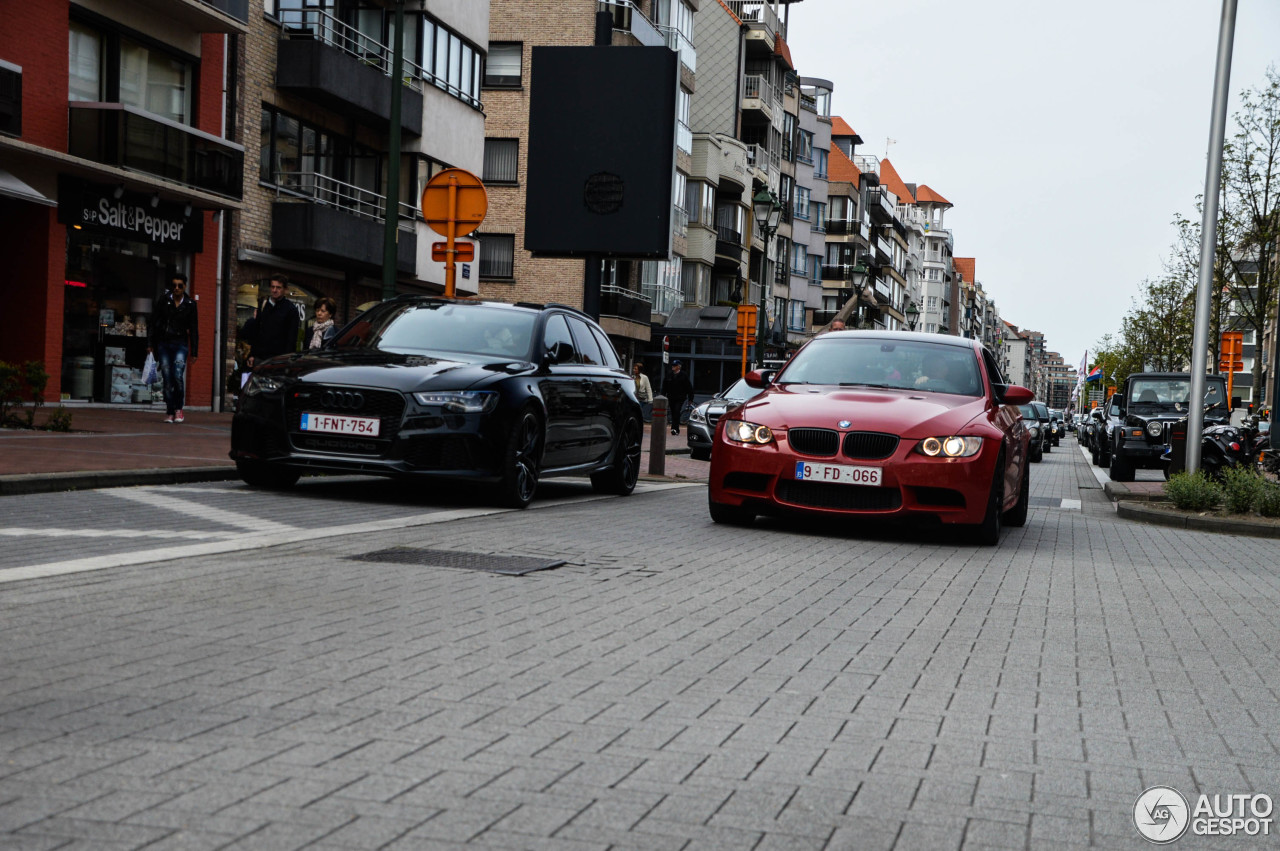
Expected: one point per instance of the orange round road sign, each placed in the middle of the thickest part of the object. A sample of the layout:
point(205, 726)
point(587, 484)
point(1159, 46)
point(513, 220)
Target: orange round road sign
point(470, 202)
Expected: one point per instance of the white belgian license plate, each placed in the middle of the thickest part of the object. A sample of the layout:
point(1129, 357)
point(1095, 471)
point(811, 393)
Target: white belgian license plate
point(331, 424)
point(838, 473)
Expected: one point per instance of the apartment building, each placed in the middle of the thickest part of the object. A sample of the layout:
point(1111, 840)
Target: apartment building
point(315, 89)
point(938, 269)
point(1017, 352)
point(847, 251)
point(811, 204)
point(121, 162)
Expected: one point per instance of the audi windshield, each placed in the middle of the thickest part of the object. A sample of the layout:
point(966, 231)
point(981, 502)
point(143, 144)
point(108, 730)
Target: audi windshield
point(415, 327)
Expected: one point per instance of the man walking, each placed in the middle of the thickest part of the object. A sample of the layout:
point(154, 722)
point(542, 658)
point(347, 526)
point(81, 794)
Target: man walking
point(175, 336)
point(679, 391)
point(275, 328)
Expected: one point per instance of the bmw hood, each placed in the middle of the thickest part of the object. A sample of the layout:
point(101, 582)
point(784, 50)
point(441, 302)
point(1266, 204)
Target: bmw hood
point(904, 412)
point(406, 373)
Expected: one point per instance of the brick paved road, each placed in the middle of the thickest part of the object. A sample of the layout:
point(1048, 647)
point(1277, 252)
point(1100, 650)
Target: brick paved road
point(677, 685)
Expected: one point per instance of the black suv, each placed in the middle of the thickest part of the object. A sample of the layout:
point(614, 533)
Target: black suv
point(437, 389)
point(1039, 437)
point(1140, 414)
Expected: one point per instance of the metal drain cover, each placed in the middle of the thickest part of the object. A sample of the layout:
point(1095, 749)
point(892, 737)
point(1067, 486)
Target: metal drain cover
point(506, 565)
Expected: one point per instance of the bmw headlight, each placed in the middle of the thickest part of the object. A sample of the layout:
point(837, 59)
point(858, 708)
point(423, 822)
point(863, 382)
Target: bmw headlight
point(699, 414)
point(740, 431)
point(262, 384)
point(950, 447)
point(460, 401)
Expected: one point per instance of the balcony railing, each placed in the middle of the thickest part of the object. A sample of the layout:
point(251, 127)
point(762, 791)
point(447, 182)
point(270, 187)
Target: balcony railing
point(758, 12)
point(322, 189)
point(679, 221)
point(238, 9)
point(843, 227)
point(838, 273)
point(756, 87)
point(682, 46)
point(124, 136)
point(724, 233)
point(684, 137)
point(663, 298)
point(763, 159)
point(320, 24)
point(625, 304)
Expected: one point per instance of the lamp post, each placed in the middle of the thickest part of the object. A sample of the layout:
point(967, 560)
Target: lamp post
point(913, 316)
point(767, 212)
point(391, 220)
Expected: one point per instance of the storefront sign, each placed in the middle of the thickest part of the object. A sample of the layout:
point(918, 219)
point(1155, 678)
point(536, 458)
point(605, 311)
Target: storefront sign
point(132, 215)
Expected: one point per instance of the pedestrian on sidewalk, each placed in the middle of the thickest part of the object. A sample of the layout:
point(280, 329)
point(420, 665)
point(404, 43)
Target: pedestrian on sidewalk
point(323, 329)
point(679, 391)
point(175, 337)
point(644, 391)
point(276, 324)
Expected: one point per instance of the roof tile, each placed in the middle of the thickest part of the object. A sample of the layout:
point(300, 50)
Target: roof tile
point(926, 195)
point(890, 180)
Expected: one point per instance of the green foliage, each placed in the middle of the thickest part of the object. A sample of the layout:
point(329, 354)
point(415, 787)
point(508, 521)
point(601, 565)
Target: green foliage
point(1193, 491)
point(36, 379)
point(59, 420)
point(1268, 500)
point(18, 383)
point(1240, 489)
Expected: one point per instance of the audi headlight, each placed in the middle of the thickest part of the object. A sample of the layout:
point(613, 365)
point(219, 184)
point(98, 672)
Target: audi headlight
point(460, 401)
point(740, 431)
point(262, 384)
point(699, 414)
point(950, 447)
point(1155, 429)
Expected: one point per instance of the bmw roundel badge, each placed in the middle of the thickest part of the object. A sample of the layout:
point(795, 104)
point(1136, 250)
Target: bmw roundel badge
point(844, 424)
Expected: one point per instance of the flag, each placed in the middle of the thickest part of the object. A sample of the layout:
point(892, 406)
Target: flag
point(1084, 365)
point(1096, 375)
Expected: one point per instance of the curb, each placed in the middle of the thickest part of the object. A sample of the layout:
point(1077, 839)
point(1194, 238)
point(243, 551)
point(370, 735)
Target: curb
point(1117, 492)
point(1161, 517)
point(54, 482)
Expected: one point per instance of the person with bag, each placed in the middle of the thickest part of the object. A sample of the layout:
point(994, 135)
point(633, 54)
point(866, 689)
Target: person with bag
point(322, 330)
point(175, 337)
point(276, 324)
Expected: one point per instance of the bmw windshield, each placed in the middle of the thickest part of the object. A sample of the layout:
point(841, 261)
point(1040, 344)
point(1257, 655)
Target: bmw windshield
point(890, 364)
point(420, 327)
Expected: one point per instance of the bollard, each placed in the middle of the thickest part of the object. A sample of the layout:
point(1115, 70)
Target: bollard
point(658, 437)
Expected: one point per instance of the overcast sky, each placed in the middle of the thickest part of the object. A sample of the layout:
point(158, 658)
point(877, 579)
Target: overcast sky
point(1066, 135)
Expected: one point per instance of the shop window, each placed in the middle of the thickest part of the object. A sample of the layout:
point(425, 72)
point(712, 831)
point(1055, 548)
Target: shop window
point(141, 75)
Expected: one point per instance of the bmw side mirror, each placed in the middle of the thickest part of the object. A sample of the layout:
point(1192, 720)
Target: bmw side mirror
point(1014, 394)
point(759, 379)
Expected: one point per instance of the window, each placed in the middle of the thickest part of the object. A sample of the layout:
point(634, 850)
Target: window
point(557, 331)
point(804, 147)
point(819, 212)
point(141, 75)
point(819, 162)
point(451, 64)
point(795, 315)
point(799, 258)
point(497, 255)
point(606, 349)
point(802, 203)
point(788, 137)
point(501, 160)
point(588, 345)
point(933, 302)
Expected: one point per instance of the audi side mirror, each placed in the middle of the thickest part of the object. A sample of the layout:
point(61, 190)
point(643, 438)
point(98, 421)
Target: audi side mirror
point(558, 353)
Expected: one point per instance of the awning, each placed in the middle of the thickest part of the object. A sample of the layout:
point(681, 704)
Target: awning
point(12, 187)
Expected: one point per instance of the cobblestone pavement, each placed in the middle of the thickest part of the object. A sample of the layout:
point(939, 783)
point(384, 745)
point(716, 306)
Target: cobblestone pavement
point(676, 684)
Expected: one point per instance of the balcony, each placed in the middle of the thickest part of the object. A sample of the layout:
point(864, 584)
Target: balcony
point(123, 136)
point(765, 161)
point(628, 18)
point(728, 244)
point(684, 137)
point(335, 65)
point(842, 272)
point(204, 16)
point(760, 95)
point(663, 298)
point(679, 221)
point(882, 292)
point(625, 304)
point(760, 17)
point(322, 220)
point(843, 227)
point(880, 204)
point(682, 46)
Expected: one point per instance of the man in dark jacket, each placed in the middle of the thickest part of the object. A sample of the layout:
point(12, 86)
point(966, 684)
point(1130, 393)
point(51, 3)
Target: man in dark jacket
point(679, 391)
point(174, 337)
point(275, 328)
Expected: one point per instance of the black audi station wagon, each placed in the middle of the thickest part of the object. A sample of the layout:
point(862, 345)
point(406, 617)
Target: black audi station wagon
point(422, 387)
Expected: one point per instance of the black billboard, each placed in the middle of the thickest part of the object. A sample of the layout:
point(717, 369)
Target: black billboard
point(601, 159)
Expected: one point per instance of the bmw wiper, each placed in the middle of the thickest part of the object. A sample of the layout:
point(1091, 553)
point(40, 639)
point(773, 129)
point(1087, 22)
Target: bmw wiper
point(864, 384)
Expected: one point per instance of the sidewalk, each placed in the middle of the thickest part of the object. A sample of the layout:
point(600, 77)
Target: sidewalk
point(119, 445)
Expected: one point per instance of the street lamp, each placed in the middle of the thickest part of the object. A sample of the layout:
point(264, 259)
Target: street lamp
point(768, 213)
point(913, 316)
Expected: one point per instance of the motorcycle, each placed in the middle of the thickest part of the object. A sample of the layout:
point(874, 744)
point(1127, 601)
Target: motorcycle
point(1221, 448)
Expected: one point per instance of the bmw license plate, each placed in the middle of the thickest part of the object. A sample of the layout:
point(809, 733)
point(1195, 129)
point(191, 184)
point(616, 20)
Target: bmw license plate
point(331, 424)
point(838, 473)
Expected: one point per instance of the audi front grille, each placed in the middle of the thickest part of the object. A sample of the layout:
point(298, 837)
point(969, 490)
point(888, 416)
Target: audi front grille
point(386, 405)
